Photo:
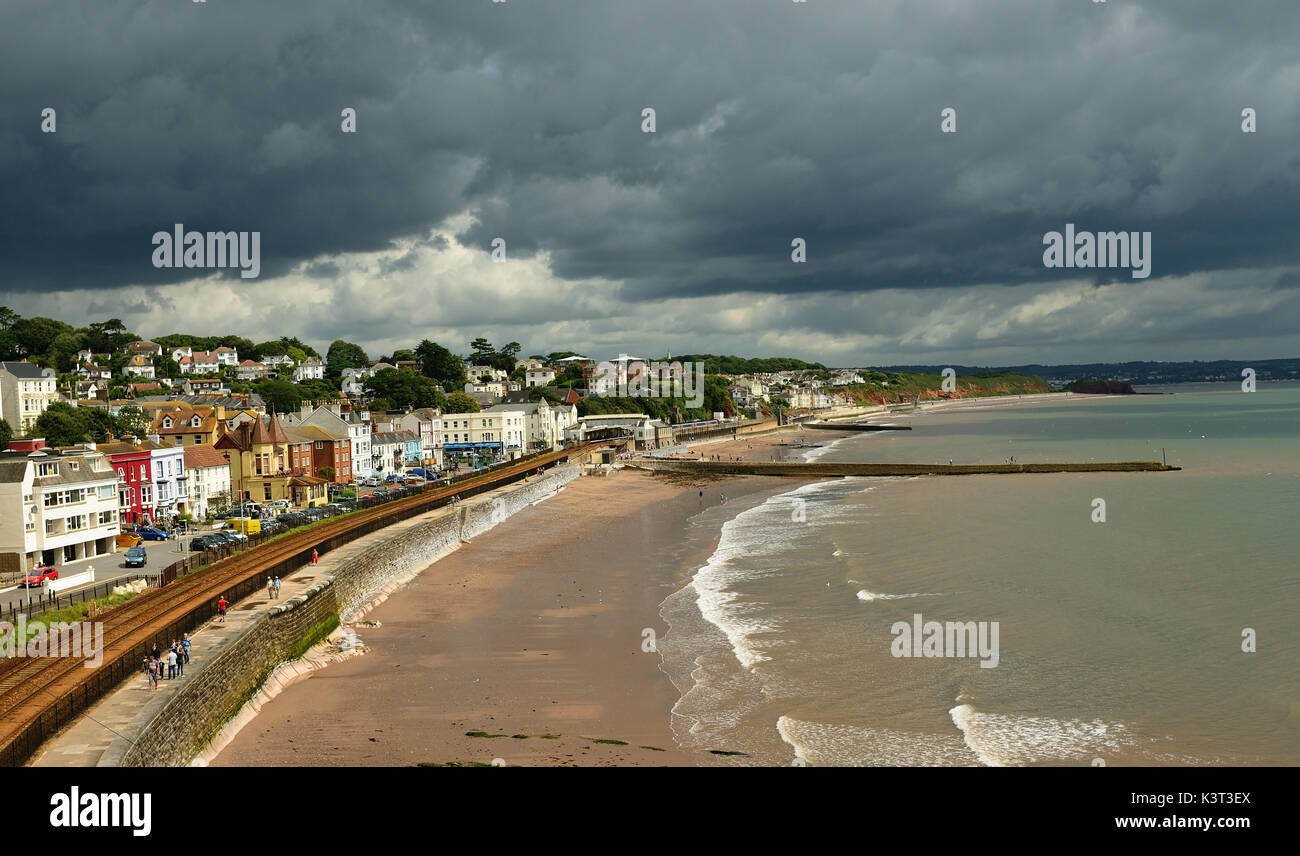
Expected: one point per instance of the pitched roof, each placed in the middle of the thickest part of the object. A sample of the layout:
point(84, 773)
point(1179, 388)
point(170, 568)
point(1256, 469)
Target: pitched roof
point(24, 369)
point(269, 432)
point(204, 455)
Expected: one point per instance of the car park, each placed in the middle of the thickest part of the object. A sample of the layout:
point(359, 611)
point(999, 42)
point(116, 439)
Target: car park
point(37, 576)
point(136, 557)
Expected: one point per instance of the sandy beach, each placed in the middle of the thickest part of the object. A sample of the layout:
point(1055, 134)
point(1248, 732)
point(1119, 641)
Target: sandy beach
point(533, 633)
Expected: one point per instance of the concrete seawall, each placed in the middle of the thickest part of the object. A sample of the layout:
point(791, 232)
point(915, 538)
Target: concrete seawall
point(815, 470)
point(173, 730)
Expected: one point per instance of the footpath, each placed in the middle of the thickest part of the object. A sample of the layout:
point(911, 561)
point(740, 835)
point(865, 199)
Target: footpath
point(128, 710)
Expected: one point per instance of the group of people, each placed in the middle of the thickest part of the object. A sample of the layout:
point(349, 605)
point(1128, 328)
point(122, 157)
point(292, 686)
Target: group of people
point(273, 585)
point(169, 666)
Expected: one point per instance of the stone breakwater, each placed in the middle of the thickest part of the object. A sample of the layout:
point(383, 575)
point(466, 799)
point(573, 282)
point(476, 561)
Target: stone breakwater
point(816, 470)
point(226, 691)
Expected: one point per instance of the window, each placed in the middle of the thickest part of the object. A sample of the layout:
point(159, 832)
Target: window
point(43, 470)
point(266, 492)
point(105, 491)
point(107, 517)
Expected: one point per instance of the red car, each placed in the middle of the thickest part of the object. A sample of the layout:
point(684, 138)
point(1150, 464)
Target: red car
point(38, 576)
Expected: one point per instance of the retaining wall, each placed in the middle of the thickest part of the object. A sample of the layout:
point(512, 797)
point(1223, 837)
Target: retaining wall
point(176, 728)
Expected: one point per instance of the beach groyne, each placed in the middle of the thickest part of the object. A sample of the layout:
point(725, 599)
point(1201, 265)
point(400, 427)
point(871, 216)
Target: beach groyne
point(819, 470)
point(855, 426)
point(172, 731)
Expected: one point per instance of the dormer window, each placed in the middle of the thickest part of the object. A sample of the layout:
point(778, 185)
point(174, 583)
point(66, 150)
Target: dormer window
point(195, 422)
point(167, 422)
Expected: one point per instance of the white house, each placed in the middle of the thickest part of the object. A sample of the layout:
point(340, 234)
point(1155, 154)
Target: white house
point(311, 368)
point(208, 482)
point(138, 366)
point(501, 432)
point(540, 376)
point(56, 506)
point(227, 356)
point(167, 468)
point(25, 391)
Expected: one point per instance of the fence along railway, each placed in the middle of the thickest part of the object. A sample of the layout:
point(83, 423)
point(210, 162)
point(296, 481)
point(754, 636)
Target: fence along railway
point(38, 696)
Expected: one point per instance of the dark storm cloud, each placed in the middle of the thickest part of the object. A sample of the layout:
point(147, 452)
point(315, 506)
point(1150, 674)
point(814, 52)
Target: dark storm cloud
point(775, 121)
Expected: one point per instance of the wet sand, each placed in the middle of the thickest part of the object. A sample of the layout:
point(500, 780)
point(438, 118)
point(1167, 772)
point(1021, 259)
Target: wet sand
point(536, 628)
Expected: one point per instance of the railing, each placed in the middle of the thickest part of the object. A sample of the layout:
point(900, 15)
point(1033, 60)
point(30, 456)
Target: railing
point(43, 602)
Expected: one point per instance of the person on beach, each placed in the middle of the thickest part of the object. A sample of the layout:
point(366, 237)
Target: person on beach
point(701, 497)
point(221, 609)
point(185, 644)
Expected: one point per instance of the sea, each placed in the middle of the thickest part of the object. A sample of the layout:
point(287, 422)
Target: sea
point(1139, 618)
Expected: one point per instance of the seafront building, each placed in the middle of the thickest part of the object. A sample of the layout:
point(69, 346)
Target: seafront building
point(57, 506)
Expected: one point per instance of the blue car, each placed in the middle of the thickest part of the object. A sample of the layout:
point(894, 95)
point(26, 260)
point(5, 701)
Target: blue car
point(149, 533)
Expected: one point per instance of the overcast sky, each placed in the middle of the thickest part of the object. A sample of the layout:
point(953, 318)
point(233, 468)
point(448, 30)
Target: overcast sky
point(775, 120)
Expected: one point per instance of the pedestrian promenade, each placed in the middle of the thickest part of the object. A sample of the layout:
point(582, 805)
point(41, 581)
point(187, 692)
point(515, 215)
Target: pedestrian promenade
point(132, 706)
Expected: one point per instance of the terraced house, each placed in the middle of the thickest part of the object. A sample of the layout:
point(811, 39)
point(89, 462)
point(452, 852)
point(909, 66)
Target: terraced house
point(57, 506)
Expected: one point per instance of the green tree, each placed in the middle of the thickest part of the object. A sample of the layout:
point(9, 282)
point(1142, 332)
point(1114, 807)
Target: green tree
point(62, 425)
point(344, 355)
point(37, 335)
point(6, 432)
point(63, 350)
point(404, 389)
point(99, 423)
point(8, 318)
point(8, 344)
point(134, 421)
point(459, 402)
point(403, 355)
point(482, 350)
point(280, 396)
point(442, 365)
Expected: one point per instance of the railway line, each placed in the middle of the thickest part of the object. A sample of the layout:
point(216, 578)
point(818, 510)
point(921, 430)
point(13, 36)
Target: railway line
point(40, 695)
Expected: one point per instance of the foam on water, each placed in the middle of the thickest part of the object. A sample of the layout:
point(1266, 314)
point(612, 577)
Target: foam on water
point(869, 596)
point(1001, 740)
point(825, 744)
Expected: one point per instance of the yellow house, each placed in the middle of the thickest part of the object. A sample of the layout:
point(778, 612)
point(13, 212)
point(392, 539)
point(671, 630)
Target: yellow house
point(258, 454)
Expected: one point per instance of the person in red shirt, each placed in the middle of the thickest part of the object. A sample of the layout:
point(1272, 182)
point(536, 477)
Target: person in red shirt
point(315, 557)
point(221, 608)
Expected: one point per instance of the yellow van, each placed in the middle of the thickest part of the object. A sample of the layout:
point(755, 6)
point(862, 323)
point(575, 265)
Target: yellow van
point(247, 525)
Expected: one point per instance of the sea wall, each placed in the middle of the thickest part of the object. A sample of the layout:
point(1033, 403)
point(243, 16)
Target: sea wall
point(173, 730)
point(815, 470)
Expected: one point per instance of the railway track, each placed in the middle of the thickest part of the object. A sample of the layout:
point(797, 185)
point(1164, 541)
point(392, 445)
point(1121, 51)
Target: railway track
point(32, 688)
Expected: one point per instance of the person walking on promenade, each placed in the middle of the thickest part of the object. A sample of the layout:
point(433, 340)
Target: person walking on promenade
point(151, 669)
point(185, 643)
point(270, 587)
point(157, 653)
point(221, 609)
point(315, 557)
point(277, 588)
point(171, 665)
point(180, 659)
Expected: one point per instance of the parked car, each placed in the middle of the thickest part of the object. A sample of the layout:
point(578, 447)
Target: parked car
point(136, 557)
point(38, 576)
point(199, 543)
point(128, 539)
point(150, 533)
